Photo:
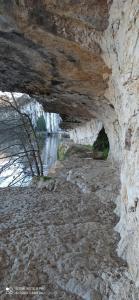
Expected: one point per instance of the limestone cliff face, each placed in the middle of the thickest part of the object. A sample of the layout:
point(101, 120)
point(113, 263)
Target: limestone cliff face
point(121, 53)
point(80, 58)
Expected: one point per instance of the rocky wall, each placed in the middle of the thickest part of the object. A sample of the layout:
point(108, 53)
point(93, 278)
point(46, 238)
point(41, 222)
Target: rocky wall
point(121, 53)
point(87, 133)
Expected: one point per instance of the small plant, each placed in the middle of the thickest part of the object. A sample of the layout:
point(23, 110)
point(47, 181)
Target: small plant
point(46, 178)
point(61, 152)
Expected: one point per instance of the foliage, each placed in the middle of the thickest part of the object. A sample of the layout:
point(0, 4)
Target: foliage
point(102, 143)
point(41, 136)
point(41, 125)
point(46, 178)
point(61, 152)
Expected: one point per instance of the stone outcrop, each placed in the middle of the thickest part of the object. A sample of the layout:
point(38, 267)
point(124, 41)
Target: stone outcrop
point(80, 58)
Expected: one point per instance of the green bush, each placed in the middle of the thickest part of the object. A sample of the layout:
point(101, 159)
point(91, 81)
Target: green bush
point(102, 143)
point(41, 125)
point(61, 152)
point(44, 178)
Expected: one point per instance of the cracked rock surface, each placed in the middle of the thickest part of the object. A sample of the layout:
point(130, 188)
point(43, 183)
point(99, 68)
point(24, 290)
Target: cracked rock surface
point(64, 240)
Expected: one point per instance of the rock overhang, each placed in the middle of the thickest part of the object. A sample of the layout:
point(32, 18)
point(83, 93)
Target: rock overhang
point(46, 51)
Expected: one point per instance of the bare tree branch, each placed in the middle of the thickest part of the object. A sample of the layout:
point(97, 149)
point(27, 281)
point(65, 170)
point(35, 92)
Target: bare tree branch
point(19, 127)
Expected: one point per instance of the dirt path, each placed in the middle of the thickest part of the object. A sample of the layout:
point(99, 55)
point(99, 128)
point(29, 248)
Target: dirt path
point(62, 241)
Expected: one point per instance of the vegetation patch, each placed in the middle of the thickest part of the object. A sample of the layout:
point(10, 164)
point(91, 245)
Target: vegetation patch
point(41, 124)
point(46, 178)
point(61, 152)
point(43, 178)
point(41, 136)
point(101, 145)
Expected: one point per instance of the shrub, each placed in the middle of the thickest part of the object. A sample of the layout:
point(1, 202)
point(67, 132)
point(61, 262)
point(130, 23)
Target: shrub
point(61, 152)
point(102, 143)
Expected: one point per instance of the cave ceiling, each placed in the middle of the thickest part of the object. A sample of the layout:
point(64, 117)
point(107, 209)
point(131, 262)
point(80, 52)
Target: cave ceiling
point(50, 49)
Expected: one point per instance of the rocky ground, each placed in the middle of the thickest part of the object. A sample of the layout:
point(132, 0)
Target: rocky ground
point(58, 241)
